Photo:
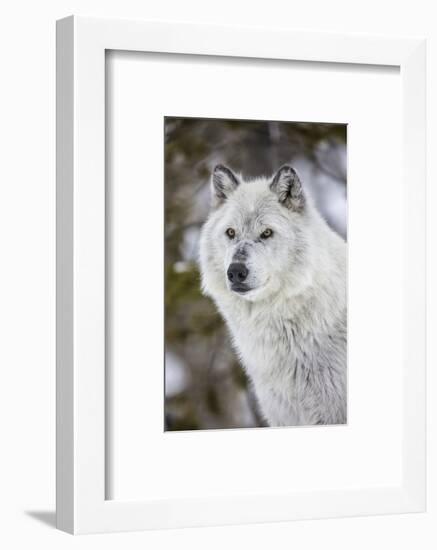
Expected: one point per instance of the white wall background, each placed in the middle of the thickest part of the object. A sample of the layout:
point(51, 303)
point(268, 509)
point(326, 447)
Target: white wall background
point(27, 273)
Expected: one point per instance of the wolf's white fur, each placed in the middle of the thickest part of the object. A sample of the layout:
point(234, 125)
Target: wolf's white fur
point(289, 330)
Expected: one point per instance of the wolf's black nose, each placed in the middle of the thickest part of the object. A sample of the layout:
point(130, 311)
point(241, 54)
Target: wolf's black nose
point(237, 273)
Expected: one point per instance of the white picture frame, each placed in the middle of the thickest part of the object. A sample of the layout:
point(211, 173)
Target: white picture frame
point(81, 479)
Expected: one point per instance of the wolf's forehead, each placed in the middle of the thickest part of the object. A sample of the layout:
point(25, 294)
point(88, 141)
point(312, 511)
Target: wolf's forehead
point(252, 197)
point(250, 213)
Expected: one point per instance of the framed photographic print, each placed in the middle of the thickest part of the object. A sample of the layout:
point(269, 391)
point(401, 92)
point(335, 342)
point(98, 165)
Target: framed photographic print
point(240, 275)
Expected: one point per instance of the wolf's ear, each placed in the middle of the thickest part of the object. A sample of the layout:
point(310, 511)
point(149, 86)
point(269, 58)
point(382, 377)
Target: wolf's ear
point(287, 186)
point(223, 183)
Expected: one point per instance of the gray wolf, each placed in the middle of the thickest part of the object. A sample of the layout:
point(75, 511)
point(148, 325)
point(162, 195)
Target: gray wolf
point(277, 274)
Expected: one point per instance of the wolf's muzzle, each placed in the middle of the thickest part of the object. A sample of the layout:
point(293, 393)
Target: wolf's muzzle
point(237, 273)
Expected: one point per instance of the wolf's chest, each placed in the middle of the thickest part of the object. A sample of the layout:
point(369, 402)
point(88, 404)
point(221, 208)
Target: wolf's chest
point(274, 346)
point(272, 356)
point(279, 360)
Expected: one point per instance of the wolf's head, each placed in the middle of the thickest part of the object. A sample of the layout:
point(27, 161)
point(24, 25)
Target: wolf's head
point(256, 240)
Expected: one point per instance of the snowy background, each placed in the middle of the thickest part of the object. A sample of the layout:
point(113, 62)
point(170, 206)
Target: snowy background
point(205, 387)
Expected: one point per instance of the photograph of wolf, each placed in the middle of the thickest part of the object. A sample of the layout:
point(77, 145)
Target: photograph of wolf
point(255, 273)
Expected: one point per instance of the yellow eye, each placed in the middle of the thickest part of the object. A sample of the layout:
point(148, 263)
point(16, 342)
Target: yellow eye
point(230, 232)
point(266, 234)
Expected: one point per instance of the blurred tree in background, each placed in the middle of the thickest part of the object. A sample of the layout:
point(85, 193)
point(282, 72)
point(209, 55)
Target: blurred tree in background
point(205, 387)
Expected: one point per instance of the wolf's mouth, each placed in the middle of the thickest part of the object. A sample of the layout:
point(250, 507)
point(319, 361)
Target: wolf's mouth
point(240, 288)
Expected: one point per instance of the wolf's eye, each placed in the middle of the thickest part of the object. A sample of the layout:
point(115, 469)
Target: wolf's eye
point(266, 234)
point(230, 232)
